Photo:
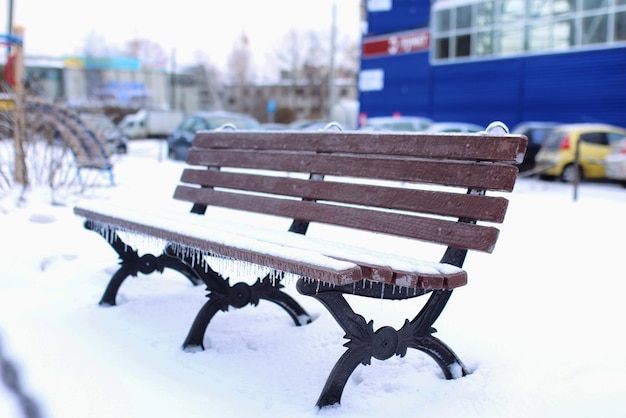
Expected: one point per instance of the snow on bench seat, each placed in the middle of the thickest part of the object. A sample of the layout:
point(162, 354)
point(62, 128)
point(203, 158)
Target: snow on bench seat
point(305, 256)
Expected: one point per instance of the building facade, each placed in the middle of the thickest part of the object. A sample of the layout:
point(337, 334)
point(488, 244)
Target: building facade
point(309, 101)
point(123, 82)
point(484, 60)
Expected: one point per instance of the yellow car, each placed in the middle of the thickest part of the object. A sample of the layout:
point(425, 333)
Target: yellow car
point(557, 154)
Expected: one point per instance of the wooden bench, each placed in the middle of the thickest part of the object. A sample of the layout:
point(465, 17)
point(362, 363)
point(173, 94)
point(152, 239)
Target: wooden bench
point(416, 186)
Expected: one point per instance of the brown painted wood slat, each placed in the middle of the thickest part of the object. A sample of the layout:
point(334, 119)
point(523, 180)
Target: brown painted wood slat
point(461, 235)
point(450, 146)
point(484, 176)
point(484, 208)
point(205, 244)
point(368, 269)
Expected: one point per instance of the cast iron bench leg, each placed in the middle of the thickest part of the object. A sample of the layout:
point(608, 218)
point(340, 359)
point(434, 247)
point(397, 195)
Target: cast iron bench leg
point(131, 264)
point(222, 296)
point(365, 343)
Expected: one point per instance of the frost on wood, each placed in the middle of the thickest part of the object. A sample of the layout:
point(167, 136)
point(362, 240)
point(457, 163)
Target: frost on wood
point(218, 240)
point(229, 267)
point(241, 249)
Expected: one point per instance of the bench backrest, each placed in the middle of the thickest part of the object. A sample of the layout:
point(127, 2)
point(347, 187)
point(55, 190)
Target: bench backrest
point(414, 185)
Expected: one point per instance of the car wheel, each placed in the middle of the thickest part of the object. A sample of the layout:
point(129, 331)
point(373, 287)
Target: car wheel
point(568, 175)
point(546, 177)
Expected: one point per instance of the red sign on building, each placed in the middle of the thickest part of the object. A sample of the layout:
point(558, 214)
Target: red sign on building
point(397, 43)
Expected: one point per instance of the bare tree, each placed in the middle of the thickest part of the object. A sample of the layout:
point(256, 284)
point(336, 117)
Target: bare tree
point(240, 65)
point(348, 56)
point(148, 52)
point(302, 59)
point(208, 81)
point(315, 71)
point(96, 46)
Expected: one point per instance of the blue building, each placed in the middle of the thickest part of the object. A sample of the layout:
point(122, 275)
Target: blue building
point(484, 60)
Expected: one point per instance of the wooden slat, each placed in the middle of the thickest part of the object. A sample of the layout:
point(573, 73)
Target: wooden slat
point(275, 258)
point(484, 176)
point(485, 208)
point(455, 234)
point(475, 147)
point(373, 266)
point(433, 281)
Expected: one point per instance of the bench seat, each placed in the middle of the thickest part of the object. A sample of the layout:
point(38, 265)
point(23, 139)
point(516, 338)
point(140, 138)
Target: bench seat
point(302, 255)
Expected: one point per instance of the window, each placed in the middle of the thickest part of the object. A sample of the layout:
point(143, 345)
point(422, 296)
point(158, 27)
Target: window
point(188, 124)
point(464, 17)
point(442, 21)
point(620, 26)
point(539, 8)
point(595, 29)
point(512, 11)
point(614, 137)
point(484, 13)
point(484, 43)
point(594, 4)
point(512, 41)
point(463, 46)
point(598, 138)
point(442, 47)
point(470, 29)
point(539, 37)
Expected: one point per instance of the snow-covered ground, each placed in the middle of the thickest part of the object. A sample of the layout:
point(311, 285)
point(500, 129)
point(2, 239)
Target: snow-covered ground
point(539, 324)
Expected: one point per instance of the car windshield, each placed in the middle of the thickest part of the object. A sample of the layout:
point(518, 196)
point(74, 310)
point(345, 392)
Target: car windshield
point(397, 124)
point(240, 123)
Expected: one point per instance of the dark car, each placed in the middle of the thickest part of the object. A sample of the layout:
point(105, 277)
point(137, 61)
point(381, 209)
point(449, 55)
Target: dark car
point(180, 139)
point(536, 132)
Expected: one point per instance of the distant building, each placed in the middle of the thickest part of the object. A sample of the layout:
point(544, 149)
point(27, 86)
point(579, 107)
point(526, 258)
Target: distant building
point(81, 81)
point(124, 82)
point(310, 101)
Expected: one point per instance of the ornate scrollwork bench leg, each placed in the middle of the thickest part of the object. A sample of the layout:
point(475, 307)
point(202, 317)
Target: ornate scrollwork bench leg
point(131, 263)
point(222, 295)
point(382, 344)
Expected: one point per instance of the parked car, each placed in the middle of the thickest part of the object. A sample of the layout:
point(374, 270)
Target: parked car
point(615, 162)
point(273, 126)
point(536, 132)
point(180, 139)
point(454, 127)
point(151, 123)
point(105, 129)
point(559, 148)
point(308, 124)
point(396, 123)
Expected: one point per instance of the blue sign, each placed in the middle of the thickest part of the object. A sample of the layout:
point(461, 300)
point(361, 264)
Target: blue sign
point(271, 107)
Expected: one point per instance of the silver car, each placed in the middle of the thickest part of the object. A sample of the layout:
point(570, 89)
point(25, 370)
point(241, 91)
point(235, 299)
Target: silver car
point(615, 162)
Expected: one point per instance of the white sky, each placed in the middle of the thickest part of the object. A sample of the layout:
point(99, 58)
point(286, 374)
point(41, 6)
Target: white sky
point(190, 27)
